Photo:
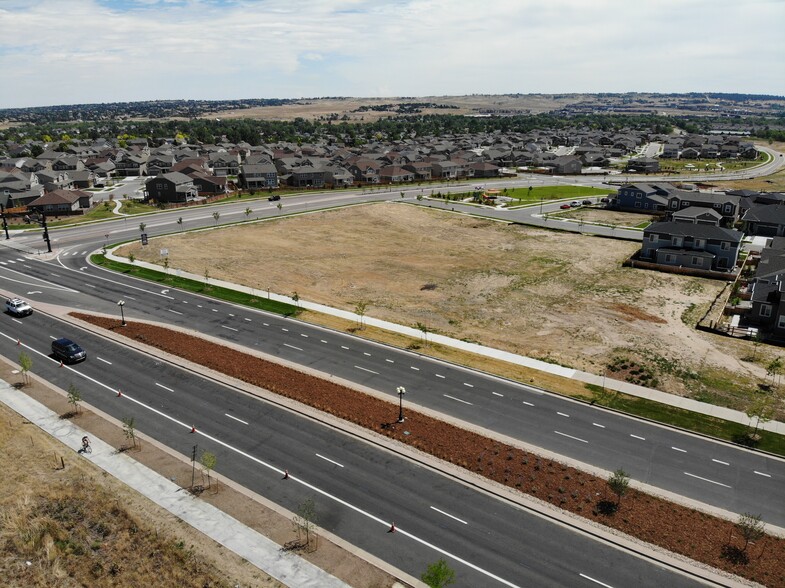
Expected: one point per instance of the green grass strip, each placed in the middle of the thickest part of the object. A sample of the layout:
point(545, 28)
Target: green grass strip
point(197, 287)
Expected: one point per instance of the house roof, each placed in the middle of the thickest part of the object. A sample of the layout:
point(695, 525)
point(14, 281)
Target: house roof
point(766, 213)
point(697, 211)
point(57, 197)
point(692, 230)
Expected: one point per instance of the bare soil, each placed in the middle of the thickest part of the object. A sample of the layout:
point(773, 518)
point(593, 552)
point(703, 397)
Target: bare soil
point(559, 297)
point(78, 526)
point(685, 531)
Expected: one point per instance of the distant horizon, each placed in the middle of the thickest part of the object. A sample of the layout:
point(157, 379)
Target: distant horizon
point(392, 97)
point(55, 53)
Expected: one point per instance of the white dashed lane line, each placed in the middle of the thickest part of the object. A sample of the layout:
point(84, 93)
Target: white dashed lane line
point(458, 399)
point(415, 368)
point(292, 347)
point(389, 361)
point(706, 480)
point(468, 385)
point(528, 403)
point(344, 347)
point(266, 324)
point(164, 387)
point(762, 474)
point(598, 425)
point(720, 462)
point(230, 328)
point(679, 449)
point(235, 418)
point(449, 515)
point(214, 309)
point(104, 360)
point(247, 319)
point(303, 335)
point(322, 340)
point(638, 437)
point(340, 465)
point(439, 376)
point(174, 311)
point(366, 370)
point(497, 394)
point(284, 330)
point(365, 353)
point(570, 437)
point(563, 414)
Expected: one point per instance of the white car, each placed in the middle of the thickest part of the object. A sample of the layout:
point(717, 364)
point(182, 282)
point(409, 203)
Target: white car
point(18, 307)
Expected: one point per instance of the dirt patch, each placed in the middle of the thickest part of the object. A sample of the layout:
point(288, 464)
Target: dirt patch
point(560, 297)
point(673, 527)
point(120, 538)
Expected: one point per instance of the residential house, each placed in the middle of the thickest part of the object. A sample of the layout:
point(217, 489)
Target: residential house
point(60, 202)
point(225, 163)
point(697, 246)
point(727, 206)
point(171, 187)
point(308, 176)
point(697, 215)
point(258, 176)
point(159, 164)
point(395, 174)
point(484, 169)
point(446, 170)
point(766, 290)
point(644, 165)
point(650, 198)
point(83, 178)
point(131, 165)
point(422, 170)
point(207, 184)
point(766, 220)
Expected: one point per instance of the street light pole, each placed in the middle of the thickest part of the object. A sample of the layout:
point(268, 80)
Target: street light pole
point(401, 391)
point(122, 314)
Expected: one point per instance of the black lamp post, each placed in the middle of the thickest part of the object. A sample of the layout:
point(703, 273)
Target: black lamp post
point(401, 391)
point(5, 222)
point(122, 315)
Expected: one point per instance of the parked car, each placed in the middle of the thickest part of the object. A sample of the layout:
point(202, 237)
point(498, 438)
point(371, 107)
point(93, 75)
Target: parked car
point(67, 351)
point(274, 197)
point(575, 204)
point(18, 307)
point(565, 207)
point(586, 202)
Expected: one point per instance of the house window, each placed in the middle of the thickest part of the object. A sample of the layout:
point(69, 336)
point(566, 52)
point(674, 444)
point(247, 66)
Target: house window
point(765, 310)
point(685, 204)
point(717, 205)
point(727, 209)
point(674, 204)
point(697, 261)
point(725, 246)
point(700, 243)
point(639, 195)
point(637, 205)
point(653, 237)
point(669, 258)
point(781, 322)
point(677, 241)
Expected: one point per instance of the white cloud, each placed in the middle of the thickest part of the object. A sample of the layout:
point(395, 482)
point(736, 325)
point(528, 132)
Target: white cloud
point(146, 49)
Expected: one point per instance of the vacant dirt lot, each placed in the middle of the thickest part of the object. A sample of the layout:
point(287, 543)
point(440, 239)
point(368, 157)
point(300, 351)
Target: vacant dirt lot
point(606, 217)
point(555, 296)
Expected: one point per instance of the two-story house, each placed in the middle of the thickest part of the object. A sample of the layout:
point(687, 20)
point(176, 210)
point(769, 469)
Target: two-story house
point(697, 246)
point(171, 187)
point(258, 176)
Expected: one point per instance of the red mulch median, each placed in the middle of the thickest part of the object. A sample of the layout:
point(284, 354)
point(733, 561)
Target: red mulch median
point(696, 535)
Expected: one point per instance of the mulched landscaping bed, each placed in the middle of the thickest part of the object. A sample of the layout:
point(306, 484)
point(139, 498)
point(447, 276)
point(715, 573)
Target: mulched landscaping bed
point(685, 531)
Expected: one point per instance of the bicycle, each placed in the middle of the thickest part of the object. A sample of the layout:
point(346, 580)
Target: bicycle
point(86, 447)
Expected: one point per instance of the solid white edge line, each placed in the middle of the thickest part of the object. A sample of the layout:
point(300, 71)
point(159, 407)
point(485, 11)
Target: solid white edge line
point(235, 418)
point(449, 515)
point(340, 465)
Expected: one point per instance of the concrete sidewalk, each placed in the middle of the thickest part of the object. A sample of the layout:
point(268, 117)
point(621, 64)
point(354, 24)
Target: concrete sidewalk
point(727, 414)
point(258, 550)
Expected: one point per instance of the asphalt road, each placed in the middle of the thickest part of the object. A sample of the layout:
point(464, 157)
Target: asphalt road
point(358, 489)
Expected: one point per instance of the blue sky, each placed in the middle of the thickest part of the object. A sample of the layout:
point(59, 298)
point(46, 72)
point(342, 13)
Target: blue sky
point(86, 51)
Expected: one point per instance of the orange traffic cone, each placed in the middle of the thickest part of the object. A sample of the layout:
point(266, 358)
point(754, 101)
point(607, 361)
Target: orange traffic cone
point(61, 363)
point(286, 474)
point(119, 393)
point(18, 342)
point(392, 528)
point(193, 429)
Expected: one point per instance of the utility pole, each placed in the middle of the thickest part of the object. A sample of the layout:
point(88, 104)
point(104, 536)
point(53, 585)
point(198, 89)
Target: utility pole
point(46, 233)
point(193, 465)
point(5, 222)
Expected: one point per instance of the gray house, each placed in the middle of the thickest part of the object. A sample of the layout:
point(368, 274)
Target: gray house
point(171, 187)
point(767, 220)
point(258, 176)
point(766, 290)
point(697, 246)
point(642, 197)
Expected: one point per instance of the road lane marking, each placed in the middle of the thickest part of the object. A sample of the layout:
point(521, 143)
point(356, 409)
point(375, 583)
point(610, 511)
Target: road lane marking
point(706, 480)
point(230, 328)
point(292, 346)
point(528, 403)
point(104, 360)
point(595, 581)
point(571, 437)
point(389, 361)
point(303, 335)
point(235, 418)
point(16, 320)
point(174, 311)
point(638, 437)
point(563, 414)
point(247, 319)
point(284, 330)
point(439, 376)
point(230, 314)
point(266, 324)
point(458, 399)
point(322, 340)
point(214, 309)
point(449, 515)
point(598, 425)
point(340, 465)
point(366, 370)
point(365, 353)
point(762, 474)
point(344, 347)
point(415, 368)
point(469, 385)
point(722, 462)
point(678, 449)
point(497, 394)
point(164, 387)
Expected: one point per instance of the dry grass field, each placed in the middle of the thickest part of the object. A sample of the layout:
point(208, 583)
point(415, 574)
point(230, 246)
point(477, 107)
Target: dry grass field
point(559, 297)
